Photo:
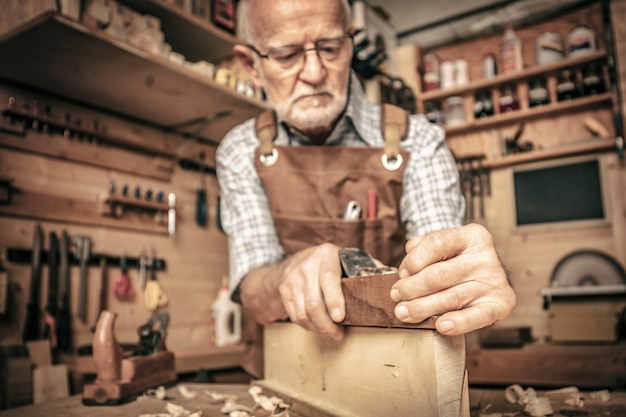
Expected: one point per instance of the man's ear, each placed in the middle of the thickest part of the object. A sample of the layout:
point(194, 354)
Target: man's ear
point(244, 54)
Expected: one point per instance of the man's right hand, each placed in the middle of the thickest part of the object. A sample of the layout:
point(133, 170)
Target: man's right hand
point(306, 287)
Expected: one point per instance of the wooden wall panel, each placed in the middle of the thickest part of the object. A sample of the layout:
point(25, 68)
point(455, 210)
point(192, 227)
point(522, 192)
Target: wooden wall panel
point(197, 257)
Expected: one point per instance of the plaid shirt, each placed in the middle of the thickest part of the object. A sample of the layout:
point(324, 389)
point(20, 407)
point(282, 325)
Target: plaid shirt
point(431, 198)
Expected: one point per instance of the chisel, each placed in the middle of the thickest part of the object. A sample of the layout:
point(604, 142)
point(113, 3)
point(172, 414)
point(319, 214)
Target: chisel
point(31, 321)
point(50, 312)
point(64, 324)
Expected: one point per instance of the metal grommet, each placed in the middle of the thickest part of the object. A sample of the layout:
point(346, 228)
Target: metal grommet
point(392, 164)
point(269, 159)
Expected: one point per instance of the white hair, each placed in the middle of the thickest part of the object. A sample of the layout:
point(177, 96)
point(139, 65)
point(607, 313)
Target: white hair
point(245, 29)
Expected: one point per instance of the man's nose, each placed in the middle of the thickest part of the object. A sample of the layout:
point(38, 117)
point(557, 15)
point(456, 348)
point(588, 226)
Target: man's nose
point(313, 70)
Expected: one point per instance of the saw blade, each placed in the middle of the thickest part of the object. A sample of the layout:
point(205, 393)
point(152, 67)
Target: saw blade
point(587, 267)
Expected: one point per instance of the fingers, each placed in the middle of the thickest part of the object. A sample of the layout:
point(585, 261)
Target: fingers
point(455, 274)
point(311, 291)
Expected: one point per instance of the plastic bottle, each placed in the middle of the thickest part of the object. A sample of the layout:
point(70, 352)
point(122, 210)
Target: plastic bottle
point(225, 318)
point(510, 52)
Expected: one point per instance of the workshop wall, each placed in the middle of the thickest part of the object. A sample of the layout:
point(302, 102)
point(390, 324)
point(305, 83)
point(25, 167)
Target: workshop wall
point(196, 258)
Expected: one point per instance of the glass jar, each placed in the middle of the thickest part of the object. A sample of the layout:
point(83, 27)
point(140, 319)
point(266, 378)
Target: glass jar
point(566, 87)
point(483, 104)
point(537, 92)
point(455, 114)
point(508, 99)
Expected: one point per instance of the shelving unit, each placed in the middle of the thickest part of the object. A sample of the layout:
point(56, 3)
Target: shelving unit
point(503, 79)
point(520, 80)
point(58, 55)
point(188, 34)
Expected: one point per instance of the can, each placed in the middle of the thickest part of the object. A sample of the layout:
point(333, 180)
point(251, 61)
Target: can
point(581, 41)
point(447, 74)
point(550, 48)
point(461, 72)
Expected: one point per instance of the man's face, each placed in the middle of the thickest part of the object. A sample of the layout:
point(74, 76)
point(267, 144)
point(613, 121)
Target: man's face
point(311, 94)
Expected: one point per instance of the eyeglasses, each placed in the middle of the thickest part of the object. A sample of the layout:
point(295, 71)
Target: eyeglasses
point(287, 57)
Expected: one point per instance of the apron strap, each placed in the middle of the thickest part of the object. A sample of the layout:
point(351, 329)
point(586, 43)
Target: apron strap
point(266, 132)
point(393, 127)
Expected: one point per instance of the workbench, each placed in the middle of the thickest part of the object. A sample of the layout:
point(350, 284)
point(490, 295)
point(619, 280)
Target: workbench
point(491, 399)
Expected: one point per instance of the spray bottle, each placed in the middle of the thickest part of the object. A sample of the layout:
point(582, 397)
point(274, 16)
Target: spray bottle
point(225, 318)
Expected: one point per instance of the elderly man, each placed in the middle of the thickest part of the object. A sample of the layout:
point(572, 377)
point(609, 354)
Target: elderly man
point(283, 193)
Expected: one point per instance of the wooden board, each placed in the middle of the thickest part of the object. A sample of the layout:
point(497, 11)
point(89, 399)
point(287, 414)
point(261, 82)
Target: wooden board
point(369, 373)
point(550, 365)
point(50, 382)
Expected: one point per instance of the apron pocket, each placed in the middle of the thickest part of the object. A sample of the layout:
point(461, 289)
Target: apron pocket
point(297, 232)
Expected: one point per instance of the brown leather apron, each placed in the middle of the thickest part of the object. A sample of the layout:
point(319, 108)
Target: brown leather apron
point(308, 189)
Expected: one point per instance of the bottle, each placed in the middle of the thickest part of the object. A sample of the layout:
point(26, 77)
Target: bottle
point(537, 92)
point(490, 68)
point(508, 99)
point(225, 318)
point(566, 88)
point(592, 80)
point(483, 105)
point(431, 72)
point(510, 52)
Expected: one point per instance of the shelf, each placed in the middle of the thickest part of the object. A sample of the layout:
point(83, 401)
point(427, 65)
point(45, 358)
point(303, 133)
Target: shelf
point(60, 56)
point(188, 34)
point(531, 113)
point(512, 78)
point(593, 145)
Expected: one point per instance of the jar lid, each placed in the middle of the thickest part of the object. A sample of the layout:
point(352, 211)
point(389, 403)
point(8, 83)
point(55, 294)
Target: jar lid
point(454, 101)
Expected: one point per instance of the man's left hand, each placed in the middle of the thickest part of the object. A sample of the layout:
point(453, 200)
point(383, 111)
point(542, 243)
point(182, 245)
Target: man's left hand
point(457, 275)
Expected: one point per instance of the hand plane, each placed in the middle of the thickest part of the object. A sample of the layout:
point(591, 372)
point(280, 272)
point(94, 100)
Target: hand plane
point(366, 289)
point(118, 379)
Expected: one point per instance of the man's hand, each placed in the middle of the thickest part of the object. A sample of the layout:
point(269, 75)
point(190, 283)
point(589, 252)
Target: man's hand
point(306, 287)
point(457, 275)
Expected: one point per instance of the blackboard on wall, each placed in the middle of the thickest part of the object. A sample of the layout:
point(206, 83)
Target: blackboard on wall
point(559, 193)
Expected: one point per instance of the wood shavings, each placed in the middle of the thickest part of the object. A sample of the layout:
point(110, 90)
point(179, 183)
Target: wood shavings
point(218, 396)
point(231, 405)
point(159, 393)
point(186, 392)
point(603, 395)
point(575, 401)
point(175, 410)
point(533, 405)
point(265, 402)
point(156, 415)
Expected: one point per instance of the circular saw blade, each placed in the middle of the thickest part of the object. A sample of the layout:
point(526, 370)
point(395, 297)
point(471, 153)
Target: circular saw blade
point(587, 267)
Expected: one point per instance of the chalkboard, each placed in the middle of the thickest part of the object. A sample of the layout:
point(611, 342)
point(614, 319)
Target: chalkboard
point(559, 193)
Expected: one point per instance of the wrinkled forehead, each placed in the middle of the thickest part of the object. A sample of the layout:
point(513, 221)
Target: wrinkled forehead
point(277, 22)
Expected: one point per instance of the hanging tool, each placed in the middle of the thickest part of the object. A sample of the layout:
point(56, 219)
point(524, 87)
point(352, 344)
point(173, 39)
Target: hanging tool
point(123, 286)
point(513, 145)
point(51, 309)
point(82, 253)
point(31, 321)
point(64, 320)
point(104, 286)
point(154, 296)
point(201, 203)
point(171, 214)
